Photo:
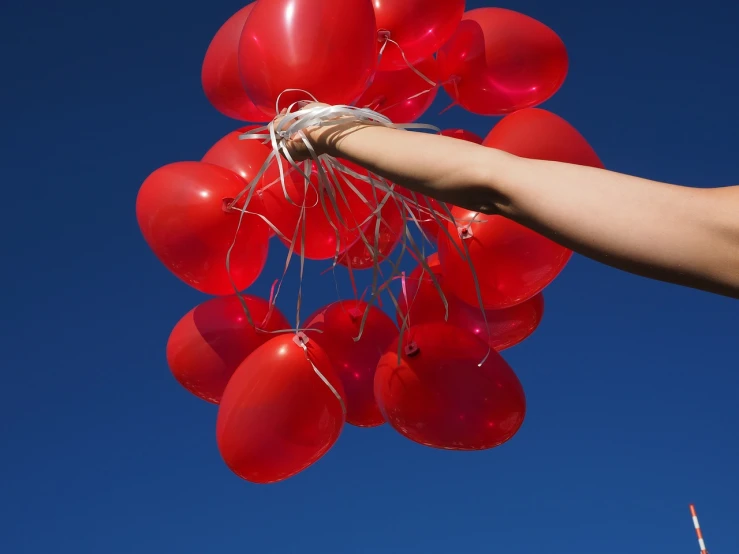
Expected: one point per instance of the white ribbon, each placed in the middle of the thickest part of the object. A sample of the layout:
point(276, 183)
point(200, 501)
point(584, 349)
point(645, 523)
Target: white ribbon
point(332, 177)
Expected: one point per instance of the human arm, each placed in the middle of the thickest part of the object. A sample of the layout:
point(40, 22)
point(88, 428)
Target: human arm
point(678, 234)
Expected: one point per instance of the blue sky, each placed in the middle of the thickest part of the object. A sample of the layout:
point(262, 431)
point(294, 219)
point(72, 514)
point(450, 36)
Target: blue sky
point(631, 385)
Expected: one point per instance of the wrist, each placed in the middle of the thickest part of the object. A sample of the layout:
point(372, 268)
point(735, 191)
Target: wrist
point(328, 139)
point(317, 137)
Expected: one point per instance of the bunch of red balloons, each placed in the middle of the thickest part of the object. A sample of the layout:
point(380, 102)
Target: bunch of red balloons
point(433, 372)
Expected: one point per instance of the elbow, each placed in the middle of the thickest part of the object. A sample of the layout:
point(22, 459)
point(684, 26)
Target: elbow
point(723, 227)
point(484, 180)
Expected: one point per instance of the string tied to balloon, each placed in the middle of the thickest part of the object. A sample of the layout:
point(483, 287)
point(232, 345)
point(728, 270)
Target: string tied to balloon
point(411, 349)
point(464, 227)
point(464, 230)
point(379, 102)
point(302, 341)
point(332, 178)
point(384, 36)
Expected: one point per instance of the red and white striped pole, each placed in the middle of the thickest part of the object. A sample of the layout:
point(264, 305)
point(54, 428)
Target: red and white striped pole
point(698, 530)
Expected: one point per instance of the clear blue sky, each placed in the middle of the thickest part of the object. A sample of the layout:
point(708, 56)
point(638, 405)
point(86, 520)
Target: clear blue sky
point(632, 385)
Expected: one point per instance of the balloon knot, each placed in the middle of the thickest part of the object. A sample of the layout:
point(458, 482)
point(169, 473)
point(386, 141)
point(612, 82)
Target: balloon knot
point(411, 349)
point(383, 35)
point(301, 340)
point(227, 205)
point(465, 232)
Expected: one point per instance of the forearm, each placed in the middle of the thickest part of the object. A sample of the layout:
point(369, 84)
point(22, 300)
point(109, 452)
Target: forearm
point(444, 168)
point(683, 235)
point(678, 234)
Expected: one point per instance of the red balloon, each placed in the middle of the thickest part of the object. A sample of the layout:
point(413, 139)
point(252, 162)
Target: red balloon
point(180, 210)
point(243, 157)
point(505, 328)
point(220, 75)
point(501, 61)
point(211, 340)
point(382, 241)
point(327, 48)
point(541, 135)
point(419, 27)
point(394, 94)
point(277, 416)
point(439, 395)
point(320, 235)
point(461, 134)
point(355, 362)
point(513, 263)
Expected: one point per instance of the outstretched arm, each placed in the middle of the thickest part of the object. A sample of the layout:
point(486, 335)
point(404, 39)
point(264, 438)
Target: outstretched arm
point(672, 233)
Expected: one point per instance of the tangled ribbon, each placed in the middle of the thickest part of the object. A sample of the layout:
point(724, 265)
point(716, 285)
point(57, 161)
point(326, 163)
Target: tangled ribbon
point(332, 176)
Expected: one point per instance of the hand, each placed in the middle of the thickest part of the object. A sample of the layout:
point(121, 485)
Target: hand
point(295, 145)
point(324, 139)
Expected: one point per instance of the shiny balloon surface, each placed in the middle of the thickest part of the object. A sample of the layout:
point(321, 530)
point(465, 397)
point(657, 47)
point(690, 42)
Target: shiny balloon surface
point(277, 416)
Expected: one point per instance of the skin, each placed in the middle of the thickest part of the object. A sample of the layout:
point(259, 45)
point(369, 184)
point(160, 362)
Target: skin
point(682, 235)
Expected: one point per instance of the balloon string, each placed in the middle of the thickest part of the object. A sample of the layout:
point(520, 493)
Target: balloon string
point(407, 302)
point(381, 184)
point(409, 64)
point(454, 80)
point(332, 176)
point(325, 189)
point(243, 211)
point(302, 267)
point(435, 87)
point(375, 251)
point(274, 290)
point(352, 280)
point(277, 135)
point(271, 302)
point(385, 186)
point(329, 185)
point(408, 243)
point(403, 206)
point(465, 233)
point(302, 341)
point(385, 36)
point(273, 293)
point(391, 106)
point(279, 96)
point(277, 138)
point(339, 171)
point(371, 78)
